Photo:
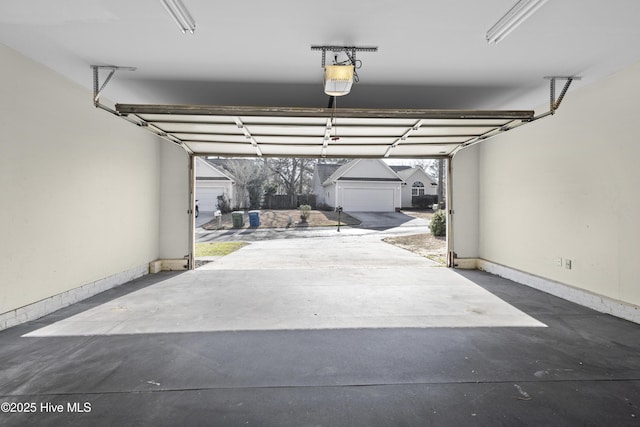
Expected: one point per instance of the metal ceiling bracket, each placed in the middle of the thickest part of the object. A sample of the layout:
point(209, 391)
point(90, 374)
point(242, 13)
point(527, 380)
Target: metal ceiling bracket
point(350, 51)
point(554, 103)
point(97, 88)
point(138, 121)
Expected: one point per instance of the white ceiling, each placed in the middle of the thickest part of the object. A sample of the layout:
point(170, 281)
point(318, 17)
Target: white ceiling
point(432, 54)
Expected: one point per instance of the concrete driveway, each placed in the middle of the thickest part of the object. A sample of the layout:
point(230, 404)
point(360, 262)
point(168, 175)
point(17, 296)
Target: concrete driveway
point(323, 283)
point(203, 218)
point(386, 220)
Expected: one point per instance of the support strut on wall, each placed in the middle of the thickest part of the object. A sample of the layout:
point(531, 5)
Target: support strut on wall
point(99, 88)
point(554, 104)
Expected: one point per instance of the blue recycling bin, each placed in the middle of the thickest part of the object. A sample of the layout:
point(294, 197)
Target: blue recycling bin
point(254, 218)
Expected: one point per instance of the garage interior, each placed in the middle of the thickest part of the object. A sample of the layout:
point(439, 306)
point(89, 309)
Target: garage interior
point(542, 212)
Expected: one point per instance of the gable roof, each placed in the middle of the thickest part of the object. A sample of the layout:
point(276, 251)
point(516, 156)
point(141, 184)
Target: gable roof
point(339, 172)
point(325, 170)
point(405, 174)
point(342, 171)
point(398, 168)
point(220, 164)
point(219, 174)
point(227, 165)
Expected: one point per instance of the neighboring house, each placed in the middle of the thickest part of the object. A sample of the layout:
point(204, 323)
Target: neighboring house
point(370, 185)
point(212, 181)
point(417, 183)
point(360, 185)
point(321, 173)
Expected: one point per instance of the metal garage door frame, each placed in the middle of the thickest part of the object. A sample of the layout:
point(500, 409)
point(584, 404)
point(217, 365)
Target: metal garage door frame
point(320, 133)
point(237, 131)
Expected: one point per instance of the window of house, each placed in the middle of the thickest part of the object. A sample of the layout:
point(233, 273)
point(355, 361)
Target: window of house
point(417, 189)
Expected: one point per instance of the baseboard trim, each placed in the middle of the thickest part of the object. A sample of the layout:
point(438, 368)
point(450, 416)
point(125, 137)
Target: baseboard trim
point(174, 264)
point(56, 302)
point(585, 298)
point(466, 263)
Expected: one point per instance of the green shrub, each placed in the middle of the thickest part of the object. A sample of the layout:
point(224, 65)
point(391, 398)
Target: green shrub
point(438, 223)
point(271, 188)
point(305, 211)
point(424, 201)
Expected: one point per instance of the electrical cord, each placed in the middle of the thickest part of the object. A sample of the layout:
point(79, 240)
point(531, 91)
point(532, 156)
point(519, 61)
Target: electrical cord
point(356, 66)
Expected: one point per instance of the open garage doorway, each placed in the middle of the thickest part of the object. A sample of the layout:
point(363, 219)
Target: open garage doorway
point(328, 133)
point(240, 200)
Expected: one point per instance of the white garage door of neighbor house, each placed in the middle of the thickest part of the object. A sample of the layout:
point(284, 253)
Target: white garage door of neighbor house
point(208, 198)
point(368, 200)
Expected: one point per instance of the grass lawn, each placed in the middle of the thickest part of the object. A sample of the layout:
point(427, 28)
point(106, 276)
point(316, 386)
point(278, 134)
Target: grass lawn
point(426, 245)
point(218, 248)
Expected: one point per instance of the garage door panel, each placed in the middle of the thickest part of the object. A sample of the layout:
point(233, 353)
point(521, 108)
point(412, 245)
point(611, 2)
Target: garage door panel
point(368, 199)
point(207, 197)
point(333, 132)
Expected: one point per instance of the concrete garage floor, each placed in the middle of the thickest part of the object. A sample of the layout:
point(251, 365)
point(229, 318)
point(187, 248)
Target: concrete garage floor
point(321, 283)
point(384, 338)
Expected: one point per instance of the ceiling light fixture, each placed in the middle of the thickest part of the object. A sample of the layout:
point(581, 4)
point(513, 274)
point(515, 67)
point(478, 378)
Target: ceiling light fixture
point(519, 13)
point(180, 15)
point(340, 76)
point(338, 79)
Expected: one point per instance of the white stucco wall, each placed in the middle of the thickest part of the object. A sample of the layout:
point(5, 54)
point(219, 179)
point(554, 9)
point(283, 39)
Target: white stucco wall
point(567, 187)
point(174, 203)
point(464, 203)
point(79, 188)
point(319, 191)
point(330, 195)
point(370, 168)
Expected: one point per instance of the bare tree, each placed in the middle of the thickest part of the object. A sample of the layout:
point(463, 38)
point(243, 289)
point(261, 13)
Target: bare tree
point(293, 175)
point(247, 173)
point(441, 182)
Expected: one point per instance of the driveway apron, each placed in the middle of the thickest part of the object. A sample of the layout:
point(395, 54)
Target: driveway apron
point(321, 283)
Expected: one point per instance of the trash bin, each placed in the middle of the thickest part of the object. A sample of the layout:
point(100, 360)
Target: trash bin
point(254, 218)
point(238, 218)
